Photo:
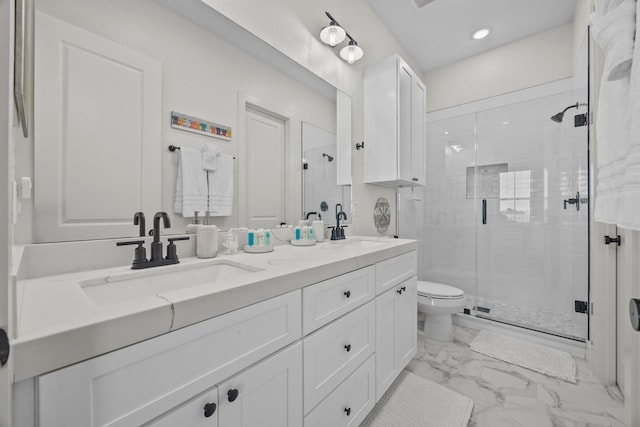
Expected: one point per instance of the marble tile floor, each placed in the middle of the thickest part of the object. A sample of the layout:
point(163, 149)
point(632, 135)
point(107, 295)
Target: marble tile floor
point(506, 395)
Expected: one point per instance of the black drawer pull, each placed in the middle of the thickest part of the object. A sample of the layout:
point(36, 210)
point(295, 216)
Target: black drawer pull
point(347, 347)
point(347, 294)
point(232, 394)
point(209, 409)
point(348, 411)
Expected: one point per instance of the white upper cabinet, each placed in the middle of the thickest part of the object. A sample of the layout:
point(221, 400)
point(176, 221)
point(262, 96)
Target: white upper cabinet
point(97, 134)
point(395, 115)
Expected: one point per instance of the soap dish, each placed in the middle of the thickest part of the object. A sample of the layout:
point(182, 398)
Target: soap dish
point(257, 249)
point(303, 242)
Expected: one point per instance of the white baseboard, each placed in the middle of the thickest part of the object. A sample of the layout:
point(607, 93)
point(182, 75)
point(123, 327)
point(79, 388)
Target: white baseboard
point(575, 348)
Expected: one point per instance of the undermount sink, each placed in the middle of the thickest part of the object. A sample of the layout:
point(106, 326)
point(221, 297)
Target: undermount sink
point(143, 283)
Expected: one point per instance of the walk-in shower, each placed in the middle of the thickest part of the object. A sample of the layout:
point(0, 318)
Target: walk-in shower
point(499, 217)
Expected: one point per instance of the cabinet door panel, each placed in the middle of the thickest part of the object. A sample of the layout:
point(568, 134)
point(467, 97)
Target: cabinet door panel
point(191, 413)
point(405, 79)
point(385, 347)
point(406, 323)
point(268, 393)
point(418, 132)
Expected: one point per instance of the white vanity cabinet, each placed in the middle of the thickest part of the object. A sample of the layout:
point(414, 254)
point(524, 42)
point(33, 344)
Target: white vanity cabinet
point(318, 356)
point(396, 318)
point(395, 124)
point(140, 383)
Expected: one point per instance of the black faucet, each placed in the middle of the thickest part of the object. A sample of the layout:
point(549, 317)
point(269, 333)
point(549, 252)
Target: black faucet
point(140, 259)
point(337, 233)
point(156, 245)
point(313, 213)
point(138, 219)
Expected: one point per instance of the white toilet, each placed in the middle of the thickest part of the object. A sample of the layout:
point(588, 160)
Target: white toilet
point(438, 302)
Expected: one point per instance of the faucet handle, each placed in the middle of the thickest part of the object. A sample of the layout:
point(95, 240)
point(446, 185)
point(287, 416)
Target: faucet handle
point(172, 254)
point(140, 253)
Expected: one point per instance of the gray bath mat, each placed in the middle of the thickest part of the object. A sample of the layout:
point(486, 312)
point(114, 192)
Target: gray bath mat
point(413, 401)
point(548, 361)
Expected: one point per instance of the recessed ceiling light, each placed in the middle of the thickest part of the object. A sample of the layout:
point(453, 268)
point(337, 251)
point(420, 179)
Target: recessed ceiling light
point(480, 34)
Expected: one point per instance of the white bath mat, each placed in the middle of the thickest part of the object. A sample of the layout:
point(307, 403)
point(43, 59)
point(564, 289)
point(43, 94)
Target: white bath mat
point(548, 361)
point(413, 401)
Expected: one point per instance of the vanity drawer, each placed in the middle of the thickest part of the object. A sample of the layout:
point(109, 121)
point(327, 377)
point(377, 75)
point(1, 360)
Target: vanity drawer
point(332, 353)
point(348, 404)
point(394, 270)
point(136, 384)
point(330, 299)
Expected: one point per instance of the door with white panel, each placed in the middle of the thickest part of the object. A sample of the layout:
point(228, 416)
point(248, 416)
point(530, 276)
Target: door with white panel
point(265, 163)
point(96, 157)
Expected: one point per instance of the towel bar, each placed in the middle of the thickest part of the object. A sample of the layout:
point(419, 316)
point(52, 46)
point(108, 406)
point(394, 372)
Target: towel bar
point(173, 148)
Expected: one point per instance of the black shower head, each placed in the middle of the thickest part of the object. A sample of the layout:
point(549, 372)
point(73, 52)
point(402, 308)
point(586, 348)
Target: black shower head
point(558, 117)
point(328, 157)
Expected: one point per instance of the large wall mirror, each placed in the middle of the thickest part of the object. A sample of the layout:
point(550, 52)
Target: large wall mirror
point(119, 74)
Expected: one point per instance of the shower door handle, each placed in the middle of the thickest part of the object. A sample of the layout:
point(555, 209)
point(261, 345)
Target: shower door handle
point(573, 201)
point(484, 211)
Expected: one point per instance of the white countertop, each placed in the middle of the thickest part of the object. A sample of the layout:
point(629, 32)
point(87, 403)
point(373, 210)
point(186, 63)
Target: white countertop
point(58, 324)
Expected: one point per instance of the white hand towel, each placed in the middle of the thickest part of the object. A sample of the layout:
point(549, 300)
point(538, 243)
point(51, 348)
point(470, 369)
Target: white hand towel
point(191, 184)
point(210, 155)
point(221, 187)
point(613, 27)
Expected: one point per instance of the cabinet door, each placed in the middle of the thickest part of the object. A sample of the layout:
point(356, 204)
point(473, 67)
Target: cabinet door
point(268, 393)
point(396, 332)
point(418, 131)
point(406, 318)
point(405, 87)
point(385, 345)
point(201, 411)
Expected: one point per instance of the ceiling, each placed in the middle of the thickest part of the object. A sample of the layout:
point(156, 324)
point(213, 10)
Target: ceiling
point(439, 32)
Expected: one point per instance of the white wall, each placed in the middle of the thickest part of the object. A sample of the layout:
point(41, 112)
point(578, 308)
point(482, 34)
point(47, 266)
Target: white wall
point(532, 61)
point(202, 76)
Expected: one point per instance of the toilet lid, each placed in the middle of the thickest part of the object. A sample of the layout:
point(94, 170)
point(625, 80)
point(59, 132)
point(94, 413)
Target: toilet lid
point(438, 290)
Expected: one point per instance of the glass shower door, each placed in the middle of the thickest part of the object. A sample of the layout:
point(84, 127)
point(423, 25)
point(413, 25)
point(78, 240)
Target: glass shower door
point(530, 247)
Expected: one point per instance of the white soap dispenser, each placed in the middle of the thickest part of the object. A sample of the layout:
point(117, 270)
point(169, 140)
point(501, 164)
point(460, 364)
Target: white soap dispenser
point(207, 239)
point(318, 229)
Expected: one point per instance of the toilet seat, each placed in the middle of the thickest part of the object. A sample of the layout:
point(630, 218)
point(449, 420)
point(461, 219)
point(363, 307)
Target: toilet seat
point(439, 291)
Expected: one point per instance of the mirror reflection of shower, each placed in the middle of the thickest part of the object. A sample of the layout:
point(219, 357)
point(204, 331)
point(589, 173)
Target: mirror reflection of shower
point(560, 116)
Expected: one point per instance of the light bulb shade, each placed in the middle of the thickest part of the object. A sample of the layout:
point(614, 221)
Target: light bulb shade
point(332, 34)
point(352, 52)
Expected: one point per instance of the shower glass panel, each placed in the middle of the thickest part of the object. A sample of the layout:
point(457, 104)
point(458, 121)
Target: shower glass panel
point(531, 244)
point(491, 219)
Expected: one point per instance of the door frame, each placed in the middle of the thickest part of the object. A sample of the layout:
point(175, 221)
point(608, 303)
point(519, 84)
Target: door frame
point(292, 153)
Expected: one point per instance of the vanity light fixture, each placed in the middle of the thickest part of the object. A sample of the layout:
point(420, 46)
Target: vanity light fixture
point(352, 52)
point(333, 34)
point(482, 33)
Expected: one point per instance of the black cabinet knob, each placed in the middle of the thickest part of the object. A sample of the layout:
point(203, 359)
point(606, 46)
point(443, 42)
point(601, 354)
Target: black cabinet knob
point(347, 411)
point(232, 394)
point(347, 294)
point(209, 409)
point(347, 347)
point(404, 288)
point(399, 291)
point(414, 179)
